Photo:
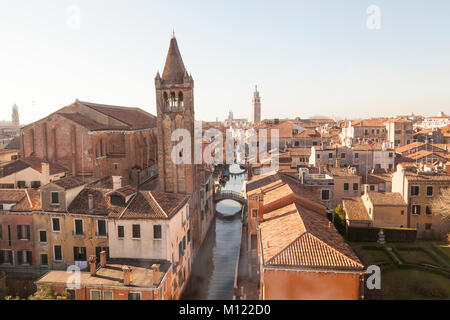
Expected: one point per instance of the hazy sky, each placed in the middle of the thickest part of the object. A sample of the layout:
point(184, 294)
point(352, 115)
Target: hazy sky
point(307, 57)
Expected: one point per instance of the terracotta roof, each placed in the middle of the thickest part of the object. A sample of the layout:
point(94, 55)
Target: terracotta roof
point(68, 182)
point(36, 164)
point(111, 275)
point(386, 198)
point(408, 147)
point(341, 172)
point(355, 209)
point(84, 121)
point(24, 199)
point(377, 178)
point(137, 205)
point(134, 118)
point(297, 237)
point(13, 167)
point(370, 147)
point(174, 69)
point(422, 154)
point(373, 122)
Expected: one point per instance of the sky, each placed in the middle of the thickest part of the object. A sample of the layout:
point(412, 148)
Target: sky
point(307, 57)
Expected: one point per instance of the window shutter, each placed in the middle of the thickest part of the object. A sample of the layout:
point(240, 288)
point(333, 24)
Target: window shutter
point(10, 256)
point(19, 257)
point(19, 232)
point(27, 227)
point(2, 260)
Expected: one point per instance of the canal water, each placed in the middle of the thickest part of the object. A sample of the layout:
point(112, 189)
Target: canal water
point(214, 267)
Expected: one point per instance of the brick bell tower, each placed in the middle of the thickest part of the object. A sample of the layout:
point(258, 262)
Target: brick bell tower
point(175, 110)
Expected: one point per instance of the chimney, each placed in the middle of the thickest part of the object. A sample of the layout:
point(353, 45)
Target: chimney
point(103, 258)
point(338, 162)
point(366, 188)
point(117, 182)
point(93, 264)
point(126, 275)
point(45, 168)
point(260, 206)
point(156, 274)
point(91, 202)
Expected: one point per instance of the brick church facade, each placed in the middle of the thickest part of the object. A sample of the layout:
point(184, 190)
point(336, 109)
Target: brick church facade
point(94, 141)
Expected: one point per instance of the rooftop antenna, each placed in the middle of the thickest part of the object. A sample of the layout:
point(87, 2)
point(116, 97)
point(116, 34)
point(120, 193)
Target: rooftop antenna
point(173, 33)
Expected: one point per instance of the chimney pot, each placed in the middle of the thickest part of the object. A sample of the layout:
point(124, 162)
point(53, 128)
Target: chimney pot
point(93, 264)
point(126, 275)
point(103, 259)
point(260, 206)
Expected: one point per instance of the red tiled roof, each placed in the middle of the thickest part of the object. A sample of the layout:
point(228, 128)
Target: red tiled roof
point(298, 237)
point(68, 182)
point(134, 118)
point(24, 199)
point(355, 209)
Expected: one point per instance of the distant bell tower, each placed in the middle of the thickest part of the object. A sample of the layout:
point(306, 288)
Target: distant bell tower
point(175, 110)
point(15, 116)
point(256, 106)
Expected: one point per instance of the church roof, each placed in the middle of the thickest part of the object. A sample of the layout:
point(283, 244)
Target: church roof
point(174, 69)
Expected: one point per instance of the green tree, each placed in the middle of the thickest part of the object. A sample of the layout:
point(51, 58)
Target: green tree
point(45, 292)
point(339, 219)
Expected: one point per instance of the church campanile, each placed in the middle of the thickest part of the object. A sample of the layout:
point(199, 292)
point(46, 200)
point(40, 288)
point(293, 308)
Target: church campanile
point(175, 110)
point(256, 106)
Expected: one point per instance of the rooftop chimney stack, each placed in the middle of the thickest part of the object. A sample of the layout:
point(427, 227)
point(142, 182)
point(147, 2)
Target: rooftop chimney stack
point(103, 258)
point(156, 274)
point(126, 275)
point(45, 167)
point(260, 206)
point(366, 188)
point(93, 264)
point(117, 182)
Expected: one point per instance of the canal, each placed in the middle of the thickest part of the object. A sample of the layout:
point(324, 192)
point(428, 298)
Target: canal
point(214, 267)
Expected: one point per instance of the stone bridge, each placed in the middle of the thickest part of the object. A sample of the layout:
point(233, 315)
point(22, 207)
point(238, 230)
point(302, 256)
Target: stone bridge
point(229, 194)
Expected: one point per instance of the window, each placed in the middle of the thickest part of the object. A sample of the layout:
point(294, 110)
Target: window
point(79, 253)
point(21, 184)
point(414, 190)
point(391, 154)
point(6, 256)
point(356, 155)
point(44, 259)
point(23, 232)
point(355, 187)
point(78, 227)
point(43, 236)
point(346, 186)
point(429, 191)
point(24, 257)
point(342, 155)
point(101, 224)
point(180, 250)
point(318, 156)
point(184, 243)
point(416, 209)
point(427, 226)
point(117, 200)
point(54, 197)
point(428, 210)
point(372, 188)
point(120, 232)
point(101, 149)
point(325, 194)
point(134, 296)
point(58, 253)
point(390, 166)
point(330, 155)
point(157, 233)
point(107, 295)
point(136, 231)
point(55, 223)
point(254, 213)
point(189, 235)
point(95, 295)
point(35, 184)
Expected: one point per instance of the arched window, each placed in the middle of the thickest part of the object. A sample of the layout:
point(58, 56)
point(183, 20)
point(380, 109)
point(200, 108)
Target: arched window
point(165, 97)
point(180, 99)
point(172, 99)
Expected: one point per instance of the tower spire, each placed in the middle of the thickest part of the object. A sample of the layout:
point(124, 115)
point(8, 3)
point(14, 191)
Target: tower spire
point(174, 68)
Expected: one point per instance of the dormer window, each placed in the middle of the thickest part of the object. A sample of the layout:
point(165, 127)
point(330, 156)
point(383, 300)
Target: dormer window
point(117, 200)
